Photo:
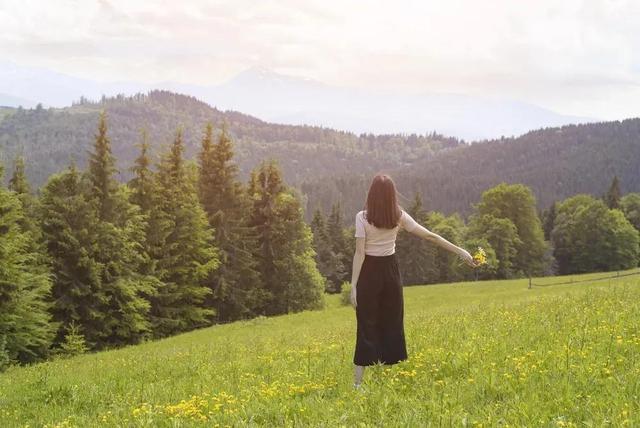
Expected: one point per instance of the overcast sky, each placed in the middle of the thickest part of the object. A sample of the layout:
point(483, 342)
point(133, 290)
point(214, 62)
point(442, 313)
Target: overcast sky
point(575, 57)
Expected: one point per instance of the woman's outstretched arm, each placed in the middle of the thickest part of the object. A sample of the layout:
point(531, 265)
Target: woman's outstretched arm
point(424, 233)
point(358, 259)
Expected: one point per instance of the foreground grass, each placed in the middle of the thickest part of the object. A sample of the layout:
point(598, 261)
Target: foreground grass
point(481, 354)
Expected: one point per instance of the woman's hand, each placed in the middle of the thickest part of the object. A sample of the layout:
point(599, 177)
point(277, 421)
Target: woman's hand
point(354, 302)
point(467, 258)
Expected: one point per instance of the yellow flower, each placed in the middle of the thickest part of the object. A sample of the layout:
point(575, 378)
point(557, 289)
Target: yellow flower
point(480, 257)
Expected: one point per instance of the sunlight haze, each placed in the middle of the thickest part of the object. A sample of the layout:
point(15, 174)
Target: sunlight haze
point(574, 57)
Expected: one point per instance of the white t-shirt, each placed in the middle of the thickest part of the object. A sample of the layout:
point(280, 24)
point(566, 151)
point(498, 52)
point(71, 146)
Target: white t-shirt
point(379, 241)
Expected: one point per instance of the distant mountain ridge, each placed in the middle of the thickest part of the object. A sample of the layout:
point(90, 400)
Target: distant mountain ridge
point(278, 98)
point(328, 165)
point(555, 162)
point(49, 138)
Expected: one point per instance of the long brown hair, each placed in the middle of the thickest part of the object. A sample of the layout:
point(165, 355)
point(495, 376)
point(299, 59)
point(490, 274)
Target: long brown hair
point(382, 209)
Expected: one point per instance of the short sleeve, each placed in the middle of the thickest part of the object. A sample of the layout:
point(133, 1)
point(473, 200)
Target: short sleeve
point(407, 222)
point(359, 225)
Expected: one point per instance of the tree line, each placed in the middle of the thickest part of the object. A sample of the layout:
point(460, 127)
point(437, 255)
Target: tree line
point(555, 162)
point(50, 135)
point(92, 264)
point(577, 235)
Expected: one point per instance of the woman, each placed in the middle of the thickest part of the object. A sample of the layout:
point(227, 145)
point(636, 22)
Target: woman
point(376, 285)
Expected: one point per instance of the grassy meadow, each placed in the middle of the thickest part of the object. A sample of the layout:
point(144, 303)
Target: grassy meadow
point(487, 353)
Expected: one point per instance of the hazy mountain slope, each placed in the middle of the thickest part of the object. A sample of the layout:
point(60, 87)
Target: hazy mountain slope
point(555, 162)
point(48, 138)
point(11, 101)
point(284, 99)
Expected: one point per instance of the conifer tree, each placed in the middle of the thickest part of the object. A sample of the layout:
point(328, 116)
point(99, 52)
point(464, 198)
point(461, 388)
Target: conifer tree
point(289, 273)
point(236, 282)
point(326, 259)
point(68, 221)
point(613, 195)
point(26, 331)
point(101, 171)
point(18, 182)
point(340, 256)
point(417, 256)
point(186, 256)
point(548, 220)
point(265, 184)
point(144, 194)
point(142, 184)
point(20, 185)
point(94, 237)
point(300, 282)
point(120, 237)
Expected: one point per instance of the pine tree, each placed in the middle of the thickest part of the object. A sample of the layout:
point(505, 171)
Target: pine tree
point(416, 256)
point(186, 256)
point(225, 201)
point(120, 237)
point(95, 237)
point(18, 182)
point(101, 171)
point(340, 257)
point(144, 194)
point(327, 261)
point(20, 185)
point(289, 274)
point(613, 195)
point(26, 331)
point(142, 184)
point(300, 282)
point(68, 223)
point(548, 220)
point(265, 184)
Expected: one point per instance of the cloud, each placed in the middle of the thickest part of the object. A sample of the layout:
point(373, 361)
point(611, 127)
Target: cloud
point(572, 56)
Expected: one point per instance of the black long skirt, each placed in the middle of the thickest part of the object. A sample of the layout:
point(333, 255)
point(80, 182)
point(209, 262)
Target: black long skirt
point(379, 312)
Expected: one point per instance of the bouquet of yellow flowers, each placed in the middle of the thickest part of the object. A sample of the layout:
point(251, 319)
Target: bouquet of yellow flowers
point(480, 257)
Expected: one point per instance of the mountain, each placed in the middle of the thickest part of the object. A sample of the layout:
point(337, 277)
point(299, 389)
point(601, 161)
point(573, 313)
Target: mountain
point(50, 137)
point(55, 89)
point(329, 165)
point(11, 101)
point(291, 100)
point(285, 99)
point(555, 162)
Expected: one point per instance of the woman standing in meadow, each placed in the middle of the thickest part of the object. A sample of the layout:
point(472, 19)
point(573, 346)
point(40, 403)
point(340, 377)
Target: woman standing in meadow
point(376, 284)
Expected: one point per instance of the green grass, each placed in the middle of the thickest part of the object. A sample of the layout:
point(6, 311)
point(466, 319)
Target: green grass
point(488, 353)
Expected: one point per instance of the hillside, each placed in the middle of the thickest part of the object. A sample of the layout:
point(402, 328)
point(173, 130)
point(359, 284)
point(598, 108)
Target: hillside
point(554, 162)
point(48, 138)
point(297, 100)
point(475, 350)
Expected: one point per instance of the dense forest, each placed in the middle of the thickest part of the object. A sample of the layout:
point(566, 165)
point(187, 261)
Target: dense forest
point(576, 235)
point(332, 167)
point(51, 137)
point(89, 262)
point(556, 163)
point(92, 263)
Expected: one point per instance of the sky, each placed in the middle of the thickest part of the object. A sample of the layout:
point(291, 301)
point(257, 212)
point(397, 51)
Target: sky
point(574, 57)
